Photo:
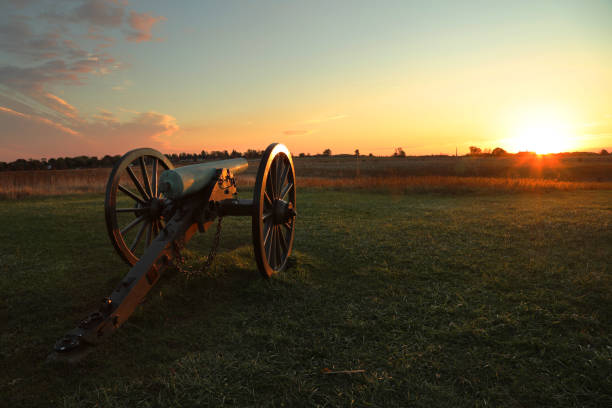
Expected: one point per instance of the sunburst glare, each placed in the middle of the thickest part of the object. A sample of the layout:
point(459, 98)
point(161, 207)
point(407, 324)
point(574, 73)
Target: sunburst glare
point(543, 134)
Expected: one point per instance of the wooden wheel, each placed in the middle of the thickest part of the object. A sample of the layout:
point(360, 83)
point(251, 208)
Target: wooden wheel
point(274, 210)
point(133, 205)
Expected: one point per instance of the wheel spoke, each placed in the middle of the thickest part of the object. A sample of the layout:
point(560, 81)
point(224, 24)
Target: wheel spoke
point(130, 194)
point(277, 240)
point(268, 200)
point(283, 240)
point(267, 229)
point(288, 225)
point(270, 182)
point(138, 236)
point(132, 209)
point(132, 224)
point(282, 179)
point(145, 176)
point(154, 177)
point(286, 190)
point(268, 246)
point(276, 252)
point(137, 183)
point(277, 172)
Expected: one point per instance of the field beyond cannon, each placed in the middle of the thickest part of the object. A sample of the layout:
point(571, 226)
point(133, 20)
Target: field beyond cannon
point(410, 174)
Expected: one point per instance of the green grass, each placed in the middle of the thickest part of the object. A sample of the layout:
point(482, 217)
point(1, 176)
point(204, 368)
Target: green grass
point(443, 300)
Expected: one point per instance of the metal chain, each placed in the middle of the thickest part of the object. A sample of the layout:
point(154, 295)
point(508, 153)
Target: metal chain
point(188, 271)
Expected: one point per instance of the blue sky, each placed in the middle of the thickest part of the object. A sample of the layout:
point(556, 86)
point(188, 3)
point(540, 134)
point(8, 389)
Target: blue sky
point(101, 77)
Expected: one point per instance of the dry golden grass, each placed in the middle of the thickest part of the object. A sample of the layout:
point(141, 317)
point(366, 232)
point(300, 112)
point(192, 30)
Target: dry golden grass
point(18, 184)
point(374, 174)
point(449, 184)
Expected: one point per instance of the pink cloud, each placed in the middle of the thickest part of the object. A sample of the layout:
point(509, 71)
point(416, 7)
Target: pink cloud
point(106, 116)
point(39, 119)
point(52, 52)
point(100, 13)
point(146, 129)
point(25, 136)
point(36, 136)
point(142, 24)
point(33, 82)
point(60, 105)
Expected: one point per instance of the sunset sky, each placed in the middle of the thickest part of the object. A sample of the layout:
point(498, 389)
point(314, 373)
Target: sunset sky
point(100, 77)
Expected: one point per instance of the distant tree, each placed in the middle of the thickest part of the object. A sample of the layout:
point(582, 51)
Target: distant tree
point(34, 164)
point(253, 153)
point(399, 152)
point(106, 161)
point(302, 155)
point(498, 151)
point(60, 163)
point(370, 155)
point(475, 151)
point(356, 152)
point(93, 162)
point(327, 152)
point(215, 154)
point(604, 152)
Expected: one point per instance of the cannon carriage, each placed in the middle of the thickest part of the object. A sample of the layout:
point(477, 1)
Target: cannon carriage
point(153, 209)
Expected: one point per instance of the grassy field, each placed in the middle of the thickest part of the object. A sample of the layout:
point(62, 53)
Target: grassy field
point(442, 300)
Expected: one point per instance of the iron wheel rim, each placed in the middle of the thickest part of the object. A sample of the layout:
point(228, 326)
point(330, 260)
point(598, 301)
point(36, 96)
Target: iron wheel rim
point(144, 193)
point(273, 220)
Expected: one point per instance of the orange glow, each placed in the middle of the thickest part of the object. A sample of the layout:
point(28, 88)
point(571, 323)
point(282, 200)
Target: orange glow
point(542, 134)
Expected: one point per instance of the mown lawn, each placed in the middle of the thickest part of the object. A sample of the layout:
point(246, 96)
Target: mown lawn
point(442, 300)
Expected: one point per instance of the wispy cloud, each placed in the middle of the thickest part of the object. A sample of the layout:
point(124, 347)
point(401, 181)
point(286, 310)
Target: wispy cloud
point(297, 132)
point(125, 85)
point(102, 13)
point(33, 81)
point(103, 131)
point(61, 105)
point(141, 25)
point(324, 119)
point(141, 129)
point(39, 119)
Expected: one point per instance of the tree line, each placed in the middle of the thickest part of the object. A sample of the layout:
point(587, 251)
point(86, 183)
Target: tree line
point(89, 162)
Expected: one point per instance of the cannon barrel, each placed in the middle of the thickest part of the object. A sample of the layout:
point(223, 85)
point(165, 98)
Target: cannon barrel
point(187, 180)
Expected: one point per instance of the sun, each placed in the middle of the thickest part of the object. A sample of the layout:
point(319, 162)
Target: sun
point(543, 135)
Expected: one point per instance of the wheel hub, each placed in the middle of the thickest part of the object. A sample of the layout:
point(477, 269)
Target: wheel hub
point(283, 211)
point(155, 208)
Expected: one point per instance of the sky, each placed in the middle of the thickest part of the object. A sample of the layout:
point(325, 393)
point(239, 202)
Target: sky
point(96, 77)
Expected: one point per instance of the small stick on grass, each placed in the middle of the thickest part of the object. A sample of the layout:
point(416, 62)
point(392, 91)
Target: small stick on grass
point(328, 371)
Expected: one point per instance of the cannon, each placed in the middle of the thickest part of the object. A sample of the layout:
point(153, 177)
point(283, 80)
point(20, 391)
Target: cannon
point(153, 209)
